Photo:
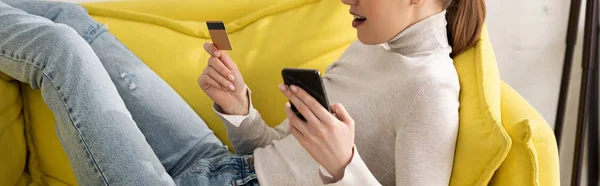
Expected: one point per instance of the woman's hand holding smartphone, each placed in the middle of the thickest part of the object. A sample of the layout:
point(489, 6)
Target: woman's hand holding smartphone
point(222, 81)
point(326, 132)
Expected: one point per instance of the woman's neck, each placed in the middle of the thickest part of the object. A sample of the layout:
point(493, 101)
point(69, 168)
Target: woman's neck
point(426, 36)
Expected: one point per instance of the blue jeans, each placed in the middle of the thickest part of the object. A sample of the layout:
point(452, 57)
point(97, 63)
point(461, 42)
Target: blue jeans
point(119, 123)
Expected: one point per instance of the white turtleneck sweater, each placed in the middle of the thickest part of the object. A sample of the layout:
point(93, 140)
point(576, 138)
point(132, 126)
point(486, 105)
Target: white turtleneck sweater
point(403, 96)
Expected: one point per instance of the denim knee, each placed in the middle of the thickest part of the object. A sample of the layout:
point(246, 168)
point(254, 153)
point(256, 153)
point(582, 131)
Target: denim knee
point(72, 15)
point(50, 10)
point(49, 47)
point(58, 40)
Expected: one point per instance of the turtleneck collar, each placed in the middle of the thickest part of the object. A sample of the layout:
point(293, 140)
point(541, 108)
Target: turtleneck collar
point(426, 36)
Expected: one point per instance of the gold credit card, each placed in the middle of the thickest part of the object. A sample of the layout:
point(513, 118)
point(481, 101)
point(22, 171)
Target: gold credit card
point(218, 34)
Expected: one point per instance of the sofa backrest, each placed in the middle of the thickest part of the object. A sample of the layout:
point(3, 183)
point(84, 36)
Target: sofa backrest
point(482, 142)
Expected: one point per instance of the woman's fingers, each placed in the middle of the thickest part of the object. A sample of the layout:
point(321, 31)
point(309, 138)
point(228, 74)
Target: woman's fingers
point(209, 70)
point(206, 82)
point(342, 114)
point(313, 104)
point(222, 55)
point(295, 123)
point(221, 68)
point(300, 106)
point(211, 49)
point(294, 131)
point(221, 61)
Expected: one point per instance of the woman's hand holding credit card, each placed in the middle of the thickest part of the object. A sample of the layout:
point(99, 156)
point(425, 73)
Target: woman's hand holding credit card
point(221, 79)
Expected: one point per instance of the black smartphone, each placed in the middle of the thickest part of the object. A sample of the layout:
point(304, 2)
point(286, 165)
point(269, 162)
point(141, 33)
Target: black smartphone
point(309, 80)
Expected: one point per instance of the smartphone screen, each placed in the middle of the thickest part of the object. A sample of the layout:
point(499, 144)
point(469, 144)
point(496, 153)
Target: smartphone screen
point(309, 80)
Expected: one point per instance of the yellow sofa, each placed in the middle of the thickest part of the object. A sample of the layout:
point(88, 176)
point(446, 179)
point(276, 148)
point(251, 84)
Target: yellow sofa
point(502, 139)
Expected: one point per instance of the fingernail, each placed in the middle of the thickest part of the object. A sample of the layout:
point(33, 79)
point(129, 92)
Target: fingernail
point(282, 87)
point(287, 104)
point(231, 87)
point(217, 53)
point(231, 78)
point(294, 89)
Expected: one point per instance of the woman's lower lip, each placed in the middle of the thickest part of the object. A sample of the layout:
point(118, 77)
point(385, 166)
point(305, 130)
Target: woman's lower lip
point(356, 24)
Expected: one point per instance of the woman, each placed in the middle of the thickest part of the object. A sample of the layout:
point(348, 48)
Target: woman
point(122, 125)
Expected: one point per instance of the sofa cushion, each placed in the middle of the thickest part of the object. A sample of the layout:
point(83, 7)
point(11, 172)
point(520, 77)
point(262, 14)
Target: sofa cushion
point(264, 42)
point(533, 156)
point(191, 10)
point(47, 163)
point(13, 156)
point(482, 142)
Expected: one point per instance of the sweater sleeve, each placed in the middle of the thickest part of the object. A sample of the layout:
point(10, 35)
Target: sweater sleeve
point(356, 173)
point(249, 132)
point(426, 136)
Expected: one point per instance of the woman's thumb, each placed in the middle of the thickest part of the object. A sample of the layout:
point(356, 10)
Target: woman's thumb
point(341, 113)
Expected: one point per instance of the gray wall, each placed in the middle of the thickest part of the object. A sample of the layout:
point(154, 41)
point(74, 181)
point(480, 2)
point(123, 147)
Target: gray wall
point(529, 41)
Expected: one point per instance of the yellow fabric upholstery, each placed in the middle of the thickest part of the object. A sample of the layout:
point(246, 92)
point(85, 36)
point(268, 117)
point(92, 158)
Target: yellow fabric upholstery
point(268, 35)
point(502, 140)
point(192, 10)
point(47, 162)
point(257, 42)
point(482, 142)
point(13, 146)
point(533, 157)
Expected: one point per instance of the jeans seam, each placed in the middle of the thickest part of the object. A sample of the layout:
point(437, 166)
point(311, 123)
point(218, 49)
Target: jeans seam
point(87, 149)
point(4, 53)
point(32, 63)
point(92, 34)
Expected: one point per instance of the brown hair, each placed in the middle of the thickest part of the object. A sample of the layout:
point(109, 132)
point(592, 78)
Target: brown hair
point(465, 22)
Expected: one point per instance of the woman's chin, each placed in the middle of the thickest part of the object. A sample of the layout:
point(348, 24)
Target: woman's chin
point(368, 39)
point(364, 40)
